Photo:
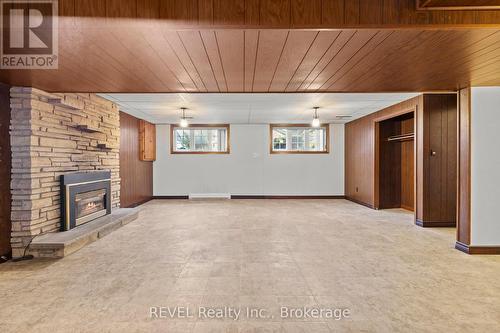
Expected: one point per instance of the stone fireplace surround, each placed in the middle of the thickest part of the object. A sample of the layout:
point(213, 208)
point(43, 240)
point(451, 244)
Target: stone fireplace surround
point(51, 135)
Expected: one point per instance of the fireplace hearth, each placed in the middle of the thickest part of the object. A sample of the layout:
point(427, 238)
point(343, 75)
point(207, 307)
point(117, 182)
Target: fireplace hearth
point(85, 197)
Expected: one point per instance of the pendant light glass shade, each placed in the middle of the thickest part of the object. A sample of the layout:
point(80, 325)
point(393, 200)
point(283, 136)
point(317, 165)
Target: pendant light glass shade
point(316, 122)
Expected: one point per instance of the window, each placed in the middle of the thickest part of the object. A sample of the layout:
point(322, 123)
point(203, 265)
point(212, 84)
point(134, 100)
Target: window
point(299, 139)
point(200, 139)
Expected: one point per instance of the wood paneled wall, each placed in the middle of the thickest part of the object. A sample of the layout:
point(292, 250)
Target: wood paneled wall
point(5, 166)
point(136, 176)
point(436, 157)
point(408, 166)
point(360, 166)
point(277, 13)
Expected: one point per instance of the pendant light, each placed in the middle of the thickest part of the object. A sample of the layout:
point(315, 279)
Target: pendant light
point(316, 122)
point(184, 120)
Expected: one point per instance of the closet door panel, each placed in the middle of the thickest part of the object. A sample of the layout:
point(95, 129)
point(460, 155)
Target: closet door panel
point(436, 154)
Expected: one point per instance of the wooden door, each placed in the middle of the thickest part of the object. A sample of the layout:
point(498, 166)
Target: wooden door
point(147, 137)
point(441, 155)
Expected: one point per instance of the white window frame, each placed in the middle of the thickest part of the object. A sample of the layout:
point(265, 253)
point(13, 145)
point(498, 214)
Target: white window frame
point(273, 127)
point(173, 128)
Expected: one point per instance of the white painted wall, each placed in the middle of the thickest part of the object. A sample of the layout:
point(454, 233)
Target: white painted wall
point(250, 169)
point(485, 159)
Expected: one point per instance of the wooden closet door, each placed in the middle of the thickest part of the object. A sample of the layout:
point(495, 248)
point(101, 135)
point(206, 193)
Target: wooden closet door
point(441, 154)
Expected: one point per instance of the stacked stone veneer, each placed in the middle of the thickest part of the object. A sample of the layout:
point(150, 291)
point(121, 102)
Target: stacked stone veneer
point(47, 143)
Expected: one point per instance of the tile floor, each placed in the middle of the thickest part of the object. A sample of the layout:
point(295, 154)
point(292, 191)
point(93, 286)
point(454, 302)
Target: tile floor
point(260, 255)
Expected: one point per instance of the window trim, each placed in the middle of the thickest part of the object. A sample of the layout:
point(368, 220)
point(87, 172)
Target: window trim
point(228, 139)
point(273, 152)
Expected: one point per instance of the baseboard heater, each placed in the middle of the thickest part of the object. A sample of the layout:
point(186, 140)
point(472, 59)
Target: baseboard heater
point(212, 196)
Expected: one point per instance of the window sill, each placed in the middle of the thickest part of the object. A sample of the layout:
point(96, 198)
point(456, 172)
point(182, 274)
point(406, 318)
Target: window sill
point(299, 152)
point(199, 152)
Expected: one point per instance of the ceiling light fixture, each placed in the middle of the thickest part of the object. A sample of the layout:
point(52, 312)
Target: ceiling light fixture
point(184, 120)
point(316, 122)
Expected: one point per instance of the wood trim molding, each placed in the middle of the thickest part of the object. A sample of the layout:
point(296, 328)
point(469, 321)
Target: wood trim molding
point(438, 5)
point(439, 224)
point(142, 202)
point(484, 250)
point(273, 152)
point(464, 167)
point(286, 197)
point(170, 197)
point(361, 203)
point(228, 150)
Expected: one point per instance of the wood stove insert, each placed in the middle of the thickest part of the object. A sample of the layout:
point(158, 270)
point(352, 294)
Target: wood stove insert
point(84, 198)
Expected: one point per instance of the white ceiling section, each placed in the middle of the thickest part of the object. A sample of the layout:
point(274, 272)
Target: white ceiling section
point(253, 108)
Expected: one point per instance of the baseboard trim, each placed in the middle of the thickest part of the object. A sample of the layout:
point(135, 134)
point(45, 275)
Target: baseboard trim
point(186, 197)
point(411, 209)
point(360, 202)
point(430, 224)
point(139, 203)
point(305, 197)
point(481, 250)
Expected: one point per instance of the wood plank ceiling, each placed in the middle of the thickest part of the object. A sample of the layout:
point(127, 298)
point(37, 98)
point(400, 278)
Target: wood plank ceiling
point(156, 60)
point(267, 46)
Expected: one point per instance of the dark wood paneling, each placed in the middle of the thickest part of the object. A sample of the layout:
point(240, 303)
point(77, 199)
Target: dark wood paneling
point(371, 11)
point(464, 168)
point(306, 13)
point(89, 8)
point(281, 13)
point(360, 152)
point(351, 12)
point(389, 160)
point(136, 176)
point(181, 11)
point(229, 12)
point(275, 13)
point(121, 8)
point(5, 166)
point(408, 166)
point(333, 13)
point(148, 9)
point(436, 176)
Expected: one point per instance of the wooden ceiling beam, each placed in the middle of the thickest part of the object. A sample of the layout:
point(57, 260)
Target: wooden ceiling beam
point(288, 14)
point(458, 4)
